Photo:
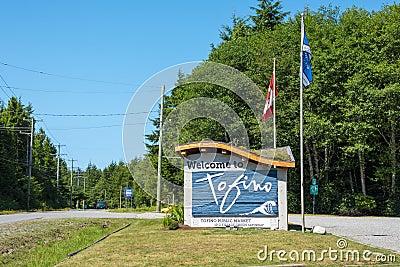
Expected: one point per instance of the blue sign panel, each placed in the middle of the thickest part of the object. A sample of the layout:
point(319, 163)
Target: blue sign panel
point(235, 193)
point(128, 192)
point(314, 189)
point(314, 181)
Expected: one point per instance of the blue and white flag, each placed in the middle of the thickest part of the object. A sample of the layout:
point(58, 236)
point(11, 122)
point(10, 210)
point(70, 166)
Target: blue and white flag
point(306, 54)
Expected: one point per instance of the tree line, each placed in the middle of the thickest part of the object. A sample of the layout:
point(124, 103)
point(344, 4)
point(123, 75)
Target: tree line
point(351, 110)
point(45, 192)
point(351, 117)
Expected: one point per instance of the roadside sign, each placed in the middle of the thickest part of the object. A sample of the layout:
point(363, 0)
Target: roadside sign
point(128, 192)
point(314, 181)
point(314, 189)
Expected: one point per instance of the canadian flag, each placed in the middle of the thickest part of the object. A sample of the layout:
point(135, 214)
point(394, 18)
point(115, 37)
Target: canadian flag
point(269, 102)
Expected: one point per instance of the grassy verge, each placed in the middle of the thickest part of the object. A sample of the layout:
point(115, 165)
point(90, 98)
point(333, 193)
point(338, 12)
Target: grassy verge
point(5, 212)
point(47, 242)
point(136, 210)
point(146, 244)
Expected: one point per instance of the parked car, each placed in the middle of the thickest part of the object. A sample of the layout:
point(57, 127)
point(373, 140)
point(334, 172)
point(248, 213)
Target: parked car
point(101, 205)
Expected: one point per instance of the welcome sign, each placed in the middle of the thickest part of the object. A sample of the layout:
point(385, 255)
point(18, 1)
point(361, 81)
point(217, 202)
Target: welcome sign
point(235, 193)
point(227, 186)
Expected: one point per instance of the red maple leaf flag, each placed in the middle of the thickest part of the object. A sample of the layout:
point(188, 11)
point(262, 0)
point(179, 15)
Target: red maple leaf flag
point(269, 102)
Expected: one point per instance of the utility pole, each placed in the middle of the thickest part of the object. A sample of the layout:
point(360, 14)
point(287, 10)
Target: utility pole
point(30, 164)
point(159, 151)
point(120, 197)
point(29, 154)
point(84, 191)
point(78, 178)
point(70, 185)
point(58, 170)
point(126, 201)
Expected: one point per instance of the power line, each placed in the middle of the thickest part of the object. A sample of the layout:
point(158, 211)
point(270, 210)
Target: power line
point(48, 131)
point(69, 91)
point(55, 139)
point(13, 128)
point(98, 127)
point(92, 115)
point(63, 76)
point(70, 77)
point(9, 88)
point(4, 91)
point(68, 154)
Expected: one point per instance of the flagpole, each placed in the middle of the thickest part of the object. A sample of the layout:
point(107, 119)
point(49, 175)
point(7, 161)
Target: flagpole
point(274, 95)
point(301, 129)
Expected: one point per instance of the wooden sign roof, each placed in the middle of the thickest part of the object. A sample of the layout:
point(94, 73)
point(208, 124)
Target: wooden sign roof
point(280, 157)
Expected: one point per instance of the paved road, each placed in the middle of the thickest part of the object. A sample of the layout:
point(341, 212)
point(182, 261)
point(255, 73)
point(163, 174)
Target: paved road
point(383, 232)
point(11, 218)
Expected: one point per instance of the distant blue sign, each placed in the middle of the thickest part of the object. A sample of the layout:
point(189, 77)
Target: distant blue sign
point(128, 193)
point(235, 193)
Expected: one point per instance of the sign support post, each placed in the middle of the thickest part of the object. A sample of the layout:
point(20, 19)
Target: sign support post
point(313, 192)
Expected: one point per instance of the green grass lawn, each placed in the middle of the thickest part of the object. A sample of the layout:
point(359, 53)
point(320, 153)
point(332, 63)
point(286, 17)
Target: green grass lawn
point(145, 243)
point(48, 242)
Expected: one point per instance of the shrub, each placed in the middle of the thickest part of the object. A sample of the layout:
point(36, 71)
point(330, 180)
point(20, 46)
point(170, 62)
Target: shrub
point(364, 204)
point(393, 206)
point(174, 216)
point(173, 225)
point(177, 214)
point(347, 207)
point(329, 198)
point(293, 203)
point(166, 221)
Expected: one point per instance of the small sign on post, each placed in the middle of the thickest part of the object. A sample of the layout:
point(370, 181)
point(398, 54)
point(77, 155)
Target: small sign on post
point(314, 192)
point(314, 189)
point(128, 192)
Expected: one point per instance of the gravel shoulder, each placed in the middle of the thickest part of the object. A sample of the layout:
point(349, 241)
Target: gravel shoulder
point(102, 214)
point(382, 232)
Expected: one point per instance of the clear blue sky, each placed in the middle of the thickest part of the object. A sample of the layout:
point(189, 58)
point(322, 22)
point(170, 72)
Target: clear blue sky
point(94, 54)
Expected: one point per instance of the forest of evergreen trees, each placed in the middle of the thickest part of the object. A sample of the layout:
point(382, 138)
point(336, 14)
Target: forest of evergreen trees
point(91, 184)
point(351, 110)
